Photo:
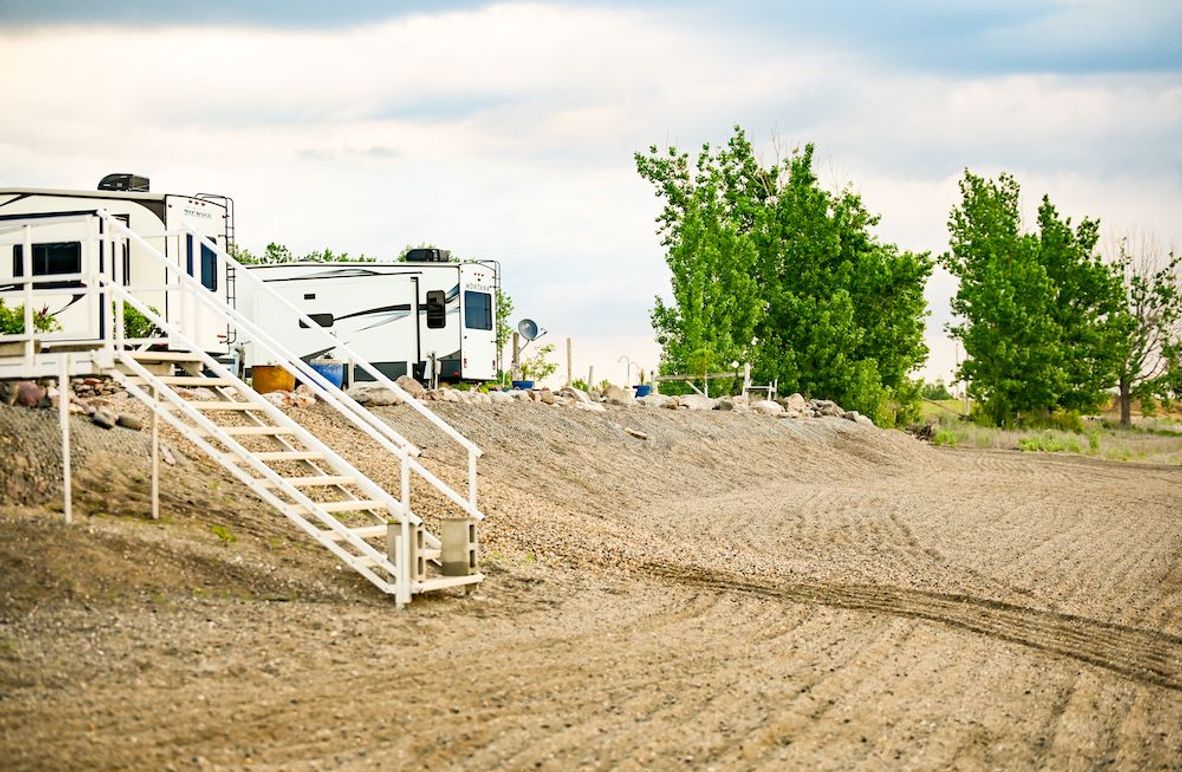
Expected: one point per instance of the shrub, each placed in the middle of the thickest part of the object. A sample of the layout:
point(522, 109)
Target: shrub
point(538, 367)
point(136, 325)
point(944, 437)
point(12, 320)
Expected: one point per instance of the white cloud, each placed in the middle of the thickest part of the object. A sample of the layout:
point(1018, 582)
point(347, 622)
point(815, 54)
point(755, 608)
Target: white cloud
point(507, 132)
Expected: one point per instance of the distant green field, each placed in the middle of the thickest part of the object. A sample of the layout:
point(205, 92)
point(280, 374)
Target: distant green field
point(1151, 440)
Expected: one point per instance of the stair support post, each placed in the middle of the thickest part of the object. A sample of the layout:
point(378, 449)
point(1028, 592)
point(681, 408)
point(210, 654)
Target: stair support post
point(155, 454)
point(63, 405)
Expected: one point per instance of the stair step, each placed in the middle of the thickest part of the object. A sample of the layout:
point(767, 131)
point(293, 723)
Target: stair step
point(223, 405)
point(191, 380)
point(443, 582)
point(429, 554)
point(165, 356)
point(289, 455)
point(364, 532)
point(353, 505)
point(257, 430)
point(312, 481)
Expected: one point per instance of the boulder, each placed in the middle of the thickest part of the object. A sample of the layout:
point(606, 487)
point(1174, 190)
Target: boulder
point(479, 398)
point(856, 417)
point(521, 396)
point(374, 395)
point(617, 396)
point(795, 402)
point(103, 418)
point(546, 397)
point(767, 407)
point(696, 402)
point(444, 394)
point(29, 394)
point(282, 399)
point(725, 404)
point(828, 408)
point(411, 386)
point(499, 397)
point(577, 394)
point(129, 422)
point(303, 397)
point(657, 400)
point(591, 407)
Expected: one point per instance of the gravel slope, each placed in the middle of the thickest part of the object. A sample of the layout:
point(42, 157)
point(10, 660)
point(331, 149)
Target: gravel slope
point(733, 592)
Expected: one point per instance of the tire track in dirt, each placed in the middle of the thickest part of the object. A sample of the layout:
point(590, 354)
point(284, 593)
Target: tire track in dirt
point(1146, 656)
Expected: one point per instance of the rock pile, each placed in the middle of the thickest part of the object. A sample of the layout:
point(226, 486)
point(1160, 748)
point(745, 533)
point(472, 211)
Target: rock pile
point(795, 406)
point(97, 398)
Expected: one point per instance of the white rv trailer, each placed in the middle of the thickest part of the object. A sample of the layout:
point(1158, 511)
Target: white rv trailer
point(400, 317)
point(58, 250)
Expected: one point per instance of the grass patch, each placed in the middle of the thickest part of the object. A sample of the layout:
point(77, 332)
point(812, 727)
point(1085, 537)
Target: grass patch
point(945, 438)
point(1048, 442)
point(224, 533)
point(1157, 441)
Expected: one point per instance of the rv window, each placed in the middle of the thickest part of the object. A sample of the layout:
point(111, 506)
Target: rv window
point(49, 259)
point(478, 310)
point(324, 320)
point(209, 268)
point(436, 309)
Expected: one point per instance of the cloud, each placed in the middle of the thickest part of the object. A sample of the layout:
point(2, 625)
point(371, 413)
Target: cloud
point(506, 131)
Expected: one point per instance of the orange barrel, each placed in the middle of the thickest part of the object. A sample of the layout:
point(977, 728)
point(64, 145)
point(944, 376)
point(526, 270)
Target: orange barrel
point(266, 378)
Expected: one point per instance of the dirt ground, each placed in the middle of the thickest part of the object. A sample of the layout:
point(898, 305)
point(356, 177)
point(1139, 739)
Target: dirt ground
point(734, 592)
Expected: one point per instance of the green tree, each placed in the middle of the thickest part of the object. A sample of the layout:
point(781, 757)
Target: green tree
point(1150, 323)
point(276, 253)
point(538, 366)
point(1036, 311)
point(770, 268)
point(936, 391)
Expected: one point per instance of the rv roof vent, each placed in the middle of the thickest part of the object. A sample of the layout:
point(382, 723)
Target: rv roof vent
point(428, 255)
point(131, 182)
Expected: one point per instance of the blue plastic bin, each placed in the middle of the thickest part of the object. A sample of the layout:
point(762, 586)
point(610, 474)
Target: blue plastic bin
point(333, 372)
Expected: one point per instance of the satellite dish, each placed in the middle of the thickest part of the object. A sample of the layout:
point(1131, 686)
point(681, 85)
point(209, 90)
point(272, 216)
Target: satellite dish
point(529, 329)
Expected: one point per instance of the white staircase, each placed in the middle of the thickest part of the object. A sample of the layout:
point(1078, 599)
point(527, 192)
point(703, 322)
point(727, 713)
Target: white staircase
point(372, 530)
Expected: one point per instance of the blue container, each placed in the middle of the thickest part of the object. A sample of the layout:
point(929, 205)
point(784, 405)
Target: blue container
point(523, 385)
point(333, 372)
point(643, 390)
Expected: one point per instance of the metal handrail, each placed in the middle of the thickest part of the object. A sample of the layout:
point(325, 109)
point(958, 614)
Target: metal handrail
point(375, 428)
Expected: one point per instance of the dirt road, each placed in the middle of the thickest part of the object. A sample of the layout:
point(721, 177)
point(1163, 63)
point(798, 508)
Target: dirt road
point(732, 593)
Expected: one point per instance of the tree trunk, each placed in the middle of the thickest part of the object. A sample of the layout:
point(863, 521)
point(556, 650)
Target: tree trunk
point(1126, 404)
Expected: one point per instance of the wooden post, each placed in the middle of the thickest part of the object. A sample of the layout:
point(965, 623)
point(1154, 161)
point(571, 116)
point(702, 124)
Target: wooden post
point(155, 455)
point(63, 405)
point(591, 377)
point(516, 353)
point(570, 373)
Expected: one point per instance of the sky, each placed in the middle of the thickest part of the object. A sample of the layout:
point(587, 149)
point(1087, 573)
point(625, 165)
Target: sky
point(506, 130)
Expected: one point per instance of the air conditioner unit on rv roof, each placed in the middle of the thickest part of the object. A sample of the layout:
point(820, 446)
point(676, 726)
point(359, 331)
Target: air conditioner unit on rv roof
point(124, 181)
point(428, 255)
